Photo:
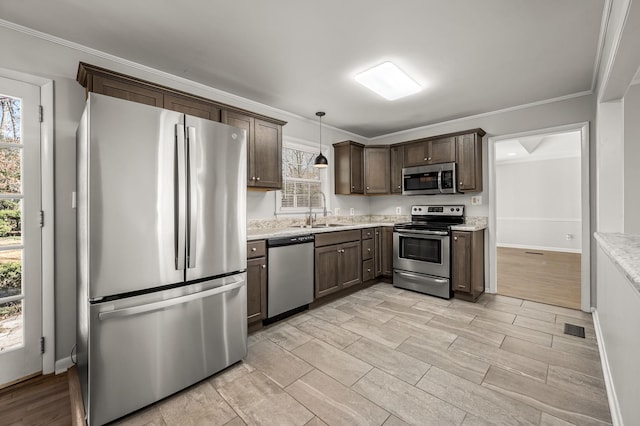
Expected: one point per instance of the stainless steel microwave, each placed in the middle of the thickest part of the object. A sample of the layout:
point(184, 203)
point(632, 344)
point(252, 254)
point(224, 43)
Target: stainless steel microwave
point(429, 180)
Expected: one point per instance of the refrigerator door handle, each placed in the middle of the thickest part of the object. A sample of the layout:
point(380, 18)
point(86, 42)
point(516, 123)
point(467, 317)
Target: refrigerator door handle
point(180, 197)
point(156, 306)
point(192, 197)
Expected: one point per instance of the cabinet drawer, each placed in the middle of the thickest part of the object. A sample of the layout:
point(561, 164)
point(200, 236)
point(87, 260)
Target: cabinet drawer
point(367, 249)
point(330, 238)
point(256, 249)
point(367, 270)
point(367, 233)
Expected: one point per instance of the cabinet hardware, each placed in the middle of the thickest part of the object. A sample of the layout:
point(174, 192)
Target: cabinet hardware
point(353, 187)
point(253, 249)
point(368, 269)
point(398, 186)
point(264, 266)
point(258, 179)
point(369, 250)
point(253, 178)
point(460, 183)
point(425, 159)
point(367, 187)
point(461, 286)
point(455, 238)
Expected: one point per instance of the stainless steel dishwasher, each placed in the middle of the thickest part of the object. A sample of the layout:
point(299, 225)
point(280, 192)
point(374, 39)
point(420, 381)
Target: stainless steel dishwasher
point(290, 277)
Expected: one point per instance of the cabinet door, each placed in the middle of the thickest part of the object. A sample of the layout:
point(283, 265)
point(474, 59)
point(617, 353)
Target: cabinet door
point(368, 272)
point(256, 289)
point(461, 261)
point(267, 154)
point(376, 170)
point(442, 151)
point(327, 274)
point(387, 251)
point(396, 160)
point(368, 249)
point(377, 256)
point(357, 175)
point(129, 91)
point(245, 122)
point(416, 154)
point(350, 264)
point(192, 106)
point(469, 159)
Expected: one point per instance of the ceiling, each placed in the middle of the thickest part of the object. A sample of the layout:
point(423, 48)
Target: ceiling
point(300, 56)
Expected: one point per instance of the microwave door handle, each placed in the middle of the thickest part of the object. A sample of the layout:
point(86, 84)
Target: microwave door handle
point(440, 181)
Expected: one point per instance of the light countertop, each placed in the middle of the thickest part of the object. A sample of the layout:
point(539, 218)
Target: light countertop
point(624, 251)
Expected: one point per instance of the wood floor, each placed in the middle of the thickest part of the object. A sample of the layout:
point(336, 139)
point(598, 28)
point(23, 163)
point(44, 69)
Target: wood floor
point(543, 276)
point(43, 400)
point(389, 356)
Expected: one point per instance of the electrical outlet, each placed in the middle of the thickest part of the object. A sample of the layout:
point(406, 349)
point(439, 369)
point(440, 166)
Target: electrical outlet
point(398, 210)
point(336, 211)
point(475, 200)
point(569, 237)
point(352, 211)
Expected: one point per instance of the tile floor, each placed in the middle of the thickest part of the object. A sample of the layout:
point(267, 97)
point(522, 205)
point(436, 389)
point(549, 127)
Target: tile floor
point(385, 356)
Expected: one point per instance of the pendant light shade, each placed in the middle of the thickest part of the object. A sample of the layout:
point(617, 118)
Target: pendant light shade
point(321, 160)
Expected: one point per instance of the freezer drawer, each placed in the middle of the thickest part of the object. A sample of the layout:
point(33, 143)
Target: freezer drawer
point(145, 348)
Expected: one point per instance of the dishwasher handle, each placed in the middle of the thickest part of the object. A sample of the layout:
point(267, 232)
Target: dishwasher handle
point(163, 304)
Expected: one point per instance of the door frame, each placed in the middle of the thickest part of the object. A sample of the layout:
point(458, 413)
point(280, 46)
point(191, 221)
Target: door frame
point(585, 260)
point(47, 176)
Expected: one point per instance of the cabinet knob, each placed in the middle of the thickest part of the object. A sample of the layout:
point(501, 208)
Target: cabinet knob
point(367, 187)
point(253, 249)
point(425, 159)
point(429, 158)
point(353, 187)
point(369, 250)
point(264, 266)
point(398, 186)
point(455, 238)
point(258, 179)
point(253, 178)
point(368, 269)
point(460, 183)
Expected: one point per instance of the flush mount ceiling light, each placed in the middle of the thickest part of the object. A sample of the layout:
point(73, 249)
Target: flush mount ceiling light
point(321, 160)
point(388, 81)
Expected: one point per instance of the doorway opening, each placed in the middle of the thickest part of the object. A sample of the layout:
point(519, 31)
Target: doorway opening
point(540, 216)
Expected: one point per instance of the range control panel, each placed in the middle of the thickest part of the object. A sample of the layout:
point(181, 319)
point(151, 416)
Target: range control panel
point(456, 210)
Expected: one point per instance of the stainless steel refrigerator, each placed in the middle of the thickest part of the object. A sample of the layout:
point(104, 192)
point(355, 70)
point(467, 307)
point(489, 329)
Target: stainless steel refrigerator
point(161, 213)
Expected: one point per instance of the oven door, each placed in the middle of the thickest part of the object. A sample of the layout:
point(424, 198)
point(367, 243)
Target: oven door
point(424, 252)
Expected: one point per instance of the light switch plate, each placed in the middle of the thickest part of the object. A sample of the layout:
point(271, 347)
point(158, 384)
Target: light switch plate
point(398, 210)
point(352, 211)
point(336, 211)
point(475, 200)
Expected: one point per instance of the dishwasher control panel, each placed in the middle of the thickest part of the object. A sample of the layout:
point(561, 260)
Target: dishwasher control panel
point(286, 241)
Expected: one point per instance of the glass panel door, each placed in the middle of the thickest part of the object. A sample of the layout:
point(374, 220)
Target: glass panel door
point(20, 257)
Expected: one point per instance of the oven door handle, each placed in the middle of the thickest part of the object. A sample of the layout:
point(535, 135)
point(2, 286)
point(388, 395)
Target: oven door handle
point(414, 232)
point(417, 276)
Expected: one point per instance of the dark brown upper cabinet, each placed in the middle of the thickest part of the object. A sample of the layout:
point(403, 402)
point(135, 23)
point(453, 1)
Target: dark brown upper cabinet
point(264, 134)
point(376, 170)
point(348, 168)
point(430, 151)
point(264, 150)
point(397, 163)
point(469, 161)
point(191, 106)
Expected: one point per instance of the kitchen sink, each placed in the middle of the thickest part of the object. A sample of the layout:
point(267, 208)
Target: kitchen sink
point(327, 225)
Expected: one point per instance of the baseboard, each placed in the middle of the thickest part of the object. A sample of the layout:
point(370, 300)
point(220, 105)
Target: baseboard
point(614, 406)
point(63, 365)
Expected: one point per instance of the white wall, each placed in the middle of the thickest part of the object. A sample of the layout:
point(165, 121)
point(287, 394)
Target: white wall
point(632, 160)
point(538, 204)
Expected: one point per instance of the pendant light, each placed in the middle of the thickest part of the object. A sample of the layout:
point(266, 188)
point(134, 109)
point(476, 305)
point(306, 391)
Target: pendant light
point(321, 160)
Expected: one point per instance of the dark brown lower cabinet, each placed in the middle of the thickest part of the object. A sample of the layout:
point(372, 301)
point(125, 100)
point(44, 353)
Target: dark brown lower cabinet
point(338, 261)
point(256, 281)
point(377, 256)
point(467, 257)
point(387, 251)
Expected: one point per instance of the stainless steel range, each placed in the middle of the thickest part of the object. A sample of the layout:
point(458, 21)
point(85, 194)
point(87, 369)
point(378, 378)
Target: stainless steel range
point(422, 249)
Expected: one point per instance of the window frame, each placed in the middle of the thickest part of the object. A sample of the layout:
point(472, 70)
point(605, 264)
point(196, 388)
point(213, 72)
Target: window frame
point(307, 146)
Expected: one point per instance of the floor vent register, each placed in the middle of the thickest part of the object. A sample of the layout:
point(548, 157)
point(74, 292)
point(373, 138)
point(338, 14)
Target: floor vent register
point(574, 330)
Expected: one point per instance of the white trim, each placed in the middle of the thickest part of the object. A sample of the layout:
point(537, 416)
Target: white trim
point(534, 159)
point(485, 114)
point(63, 365)
point(604, 24)
point(583, 127)
point(614, 405)
point(47, 205)
point(532, 247)
point(539, 219)
point(48, 234)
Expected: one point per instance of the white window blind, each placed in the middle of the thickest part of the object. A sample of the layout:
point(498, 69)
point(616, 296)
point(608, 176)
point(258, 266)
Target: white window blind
point(300, 179)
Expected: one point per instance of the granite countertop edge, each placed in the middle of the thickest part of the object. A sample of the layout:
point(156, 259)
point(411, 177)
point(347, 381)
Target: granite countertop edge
point(624, 251)
point(262, 234)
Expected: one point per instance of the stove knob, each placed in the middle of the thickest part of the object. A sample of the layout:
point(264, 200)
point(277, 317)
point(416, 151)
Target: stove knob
point(458, 209)
point(451, 208)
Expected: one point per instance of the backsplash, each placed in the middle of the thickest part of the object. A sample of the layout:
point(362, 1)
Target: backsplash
point(291, 222)
point(477, 220)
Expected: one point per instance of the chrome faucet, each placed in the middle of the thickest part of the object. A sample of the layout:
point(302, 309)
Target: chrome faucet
point(310, 219)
